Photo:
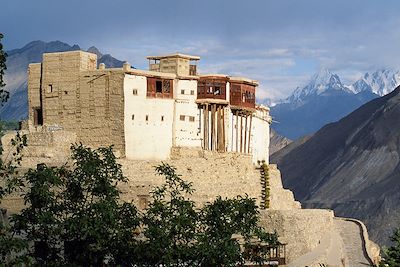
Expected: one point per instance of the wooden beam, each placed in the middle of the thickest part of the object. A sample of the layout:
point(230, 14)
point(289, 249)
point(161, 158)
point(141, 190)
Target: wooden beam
point(205, 126)
point(237, 131)
point(223, 128)
point(233, 130)
point(241, 133)
point(218, 127)
point(251, 119)
point(245, 136)
point(213, 127)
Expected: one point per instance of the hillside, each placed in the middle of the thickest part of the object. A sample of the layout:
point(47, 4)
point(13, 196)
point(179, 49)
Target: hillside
point(352, 166)
point(16, 74)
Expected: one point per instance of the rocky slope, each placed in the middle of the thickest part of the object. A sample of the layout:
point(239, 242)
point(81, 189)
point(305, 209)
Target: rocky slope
point(16, 74)
point(277, 142)
point(352, 166)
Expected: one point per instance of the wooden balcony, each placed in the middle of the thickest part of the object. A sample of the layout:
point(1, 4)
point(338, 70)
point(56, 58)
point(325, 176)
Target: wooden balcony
point(212, 88)
point(242, 95)
point(276, 255)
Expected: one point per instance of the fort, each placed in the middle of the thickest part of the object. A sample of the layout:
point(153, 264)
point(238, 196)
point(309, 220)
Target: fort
point(168, 106)
point(208, 126)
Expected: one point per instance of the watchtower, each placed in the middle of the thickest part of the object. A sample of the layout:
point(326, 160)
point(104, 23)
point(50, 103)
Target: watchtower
point(179, 64)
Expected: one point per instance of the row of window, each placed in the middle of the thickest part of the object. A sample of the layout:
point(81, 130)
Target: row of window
point(135, 92)
point(181, 117)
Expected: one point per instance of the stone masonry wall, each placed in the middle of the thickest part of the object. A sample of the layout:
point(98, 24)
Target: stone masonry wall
point(212, 174)
point(50, 147)
point(280, 198)
point(99, 118)
point(302, 230)
point(78, 97)
point(34, 75)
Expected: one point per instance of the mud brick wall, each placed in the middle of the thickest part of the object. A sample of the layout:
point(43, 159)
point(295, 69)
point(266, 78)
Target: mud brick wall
point(34, 76)
point(78, 97)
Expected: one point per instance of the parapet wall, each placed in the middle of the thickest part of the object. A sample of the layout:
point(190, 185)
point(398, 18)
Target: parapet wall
point(43, 146)
point(302, 230)
point(212, 174)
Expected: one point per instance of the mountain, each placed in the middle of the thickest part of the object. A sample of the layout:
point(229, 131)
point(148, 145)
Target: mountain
point(277, 142)
point(380, 82)
point(322, 83)
point(18, 60)
point(322, 100)
point(352, 166)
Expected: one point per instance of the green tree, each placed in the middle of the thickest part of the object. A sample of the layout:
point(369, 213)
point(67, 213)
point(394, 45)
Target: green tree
point(9, 181)
point(178, 234)
point(3, 93)
point(391, 255)
point(170, 223)
point(74, 215)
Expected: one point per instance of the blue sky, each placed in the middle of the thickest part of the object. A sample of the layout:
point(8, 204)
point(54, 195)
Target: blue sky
point(281, 43)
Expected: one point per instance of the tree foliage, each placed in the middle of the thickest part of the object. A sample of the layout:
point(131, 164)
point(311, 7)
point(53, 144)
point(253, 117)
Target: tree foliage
point(3, 93)
point(392, 254)
point(75, 217)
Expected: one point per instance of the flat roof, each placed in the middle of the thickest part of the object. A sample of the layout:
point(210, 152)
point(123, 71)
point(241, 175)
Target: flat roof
point(174, 55)
point(243, 79)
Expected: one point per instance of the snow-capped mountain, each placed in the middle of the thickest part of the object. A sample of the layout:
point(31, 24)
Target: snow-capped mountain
point(323, 82)
point(322, 100)
point(380, 82)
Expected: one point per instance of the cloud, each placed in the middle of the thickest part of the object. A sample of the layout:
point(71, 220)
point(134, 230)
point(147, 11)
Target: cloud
point(279, 43)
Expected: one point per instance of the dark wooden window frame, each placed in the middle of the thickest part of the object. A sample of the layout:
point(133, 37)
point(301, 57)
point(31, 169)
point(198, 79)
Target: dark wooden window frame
point(242, 95)
point(159, 87)
point(214, 88)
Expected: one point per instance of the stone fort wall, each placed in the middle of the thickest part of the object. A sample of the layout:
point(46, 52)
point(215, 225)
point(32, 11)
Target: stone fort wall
point(76, 96)
point(212, 174)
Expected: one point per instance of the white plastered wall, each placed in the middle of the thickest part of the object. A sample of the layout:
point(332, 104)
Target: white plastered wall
point(151, 138)
point(186, 131)
point(260, 136)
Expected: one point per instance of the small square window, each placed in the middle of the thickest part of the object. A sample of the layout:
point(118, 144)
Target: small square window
point(182, 117)
point(147, 117)
point(134, 91)
point(50, 88)
point(191, 118)
point(182, 92)
point(192, 92)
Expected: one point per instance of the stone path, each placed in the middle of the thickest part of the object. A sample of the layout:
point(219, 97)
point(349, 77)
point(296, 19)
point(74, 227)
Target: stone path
point(353, 242)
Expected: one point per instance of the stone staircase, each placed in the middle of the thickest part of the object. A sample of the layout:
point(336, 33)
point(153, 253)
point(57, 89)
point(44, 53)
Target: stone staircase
point(354, 243)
